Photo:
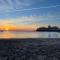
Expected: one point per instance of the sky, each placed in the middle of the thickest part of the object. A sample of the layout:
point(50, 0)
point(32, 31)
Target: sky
point(29, 13)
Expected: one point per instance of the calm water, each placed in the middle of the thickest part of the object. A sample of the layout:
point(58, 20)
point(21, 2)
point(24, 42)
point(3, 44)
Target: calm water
point(10, 34)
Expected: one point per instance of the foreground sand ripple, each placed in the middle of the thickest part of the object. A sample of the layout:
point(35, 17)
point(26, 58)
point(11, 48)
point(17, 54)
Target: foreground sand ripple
point(30, 49)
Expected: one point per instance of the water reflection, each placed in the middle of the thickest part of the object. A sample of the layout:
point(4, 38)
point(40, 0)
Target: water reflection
point(54, 35)
point(6, 34)
point(11, 34)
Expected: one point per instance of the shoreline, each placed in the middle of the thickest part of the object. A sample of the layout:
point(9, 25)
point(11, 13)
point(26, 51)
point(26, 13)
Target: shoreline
point(34, 41)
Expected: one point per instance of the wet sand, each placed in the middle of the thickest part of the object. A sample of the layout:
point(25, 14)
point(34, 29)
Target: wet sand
point(30, 49)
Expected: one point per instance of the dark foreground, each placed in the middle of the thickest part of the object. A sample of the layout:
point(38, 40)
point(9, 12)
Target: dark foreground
point(30, 49)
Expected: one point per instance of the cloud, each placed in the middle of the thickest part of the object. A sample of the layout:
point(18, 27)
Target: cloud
point(20, 5)
point(14, 4)
point(16, 21)
point(12, 9)
point(38, 8)
point(6, 22)
point(33, 20)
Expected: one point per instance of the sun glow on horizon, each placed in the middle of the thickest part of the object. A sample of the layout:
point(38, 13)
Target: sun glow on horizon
point(6, 28)
point(20, 28)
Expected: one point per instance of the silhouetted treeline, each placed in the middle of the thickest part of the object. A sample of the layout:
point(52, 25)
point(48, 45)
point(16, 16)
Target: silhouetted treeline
point(49, 28)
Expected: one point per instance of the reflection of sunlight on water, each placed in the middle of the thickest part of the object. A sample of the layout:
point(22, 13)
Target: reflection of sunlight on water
point(6, 34)
point(53, 35)
point(12, 34)
point(23, 35)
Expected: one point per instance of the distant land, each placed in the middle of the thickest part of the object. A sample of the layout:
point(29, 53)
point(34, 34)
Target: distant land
point(49, 29)
point(40, 29)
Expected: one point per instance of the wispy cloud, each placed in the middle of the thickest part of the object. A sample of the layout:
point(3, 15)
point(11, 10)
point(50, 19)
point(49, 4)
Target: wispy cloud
point(7, 9)
point(20, 5)
point(33, 20)
point(39, 8)
point(13, 8)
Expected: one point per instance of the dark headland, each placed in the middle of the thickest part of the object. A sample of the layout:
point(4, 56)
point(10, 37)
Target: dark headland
point(30, 49)
point(49, 29)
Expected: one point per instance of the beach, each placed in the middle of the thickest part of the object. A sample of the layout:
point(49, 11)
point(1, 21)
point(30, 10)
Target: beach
point(30, 49)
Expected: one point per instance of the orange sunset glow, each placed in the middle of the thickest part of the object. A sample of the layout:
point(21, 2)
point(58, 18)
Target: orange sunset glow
point(20, 28)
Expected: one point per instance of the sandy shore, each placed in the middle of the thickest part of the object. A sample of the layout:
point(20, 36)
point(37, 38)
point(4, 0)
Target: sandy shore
point(30, 49)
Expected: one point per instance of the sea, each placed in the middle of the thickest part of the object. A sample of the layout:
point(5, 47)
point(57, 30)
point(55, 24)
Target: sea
point(14, 34)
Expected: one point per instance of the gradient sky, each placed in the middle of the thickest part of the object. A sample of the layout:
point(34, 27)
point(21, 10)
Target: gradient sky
point(33, 13)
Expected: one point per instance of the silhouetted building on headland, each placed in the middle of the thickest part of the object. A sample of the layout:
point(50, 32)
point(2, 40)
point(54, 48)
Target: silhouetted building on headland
point(49, 29)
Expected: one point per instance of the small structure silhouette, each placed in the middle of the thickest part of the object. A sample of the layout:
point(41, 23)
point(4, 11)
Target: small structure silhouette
point(49, 29)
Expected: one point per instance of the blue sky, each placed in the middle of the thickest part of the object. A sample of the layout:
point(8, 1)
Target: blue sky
point(30, 12)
